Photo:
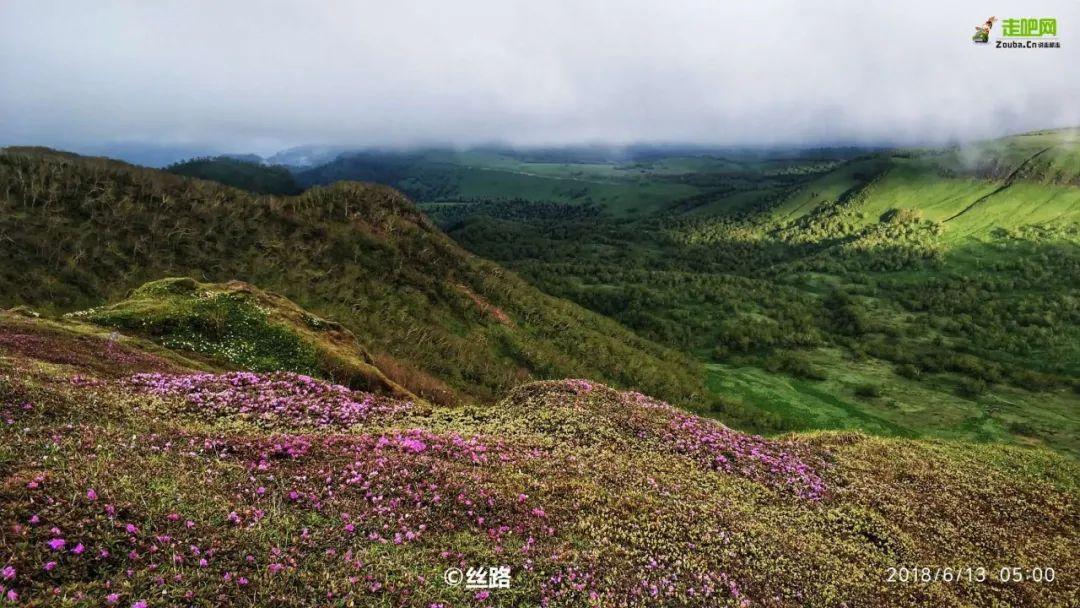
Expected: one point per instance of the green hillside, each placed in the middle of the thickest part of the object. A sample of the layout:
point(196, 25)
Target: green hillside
point(134, 475)
point(1027, 180)
point(80, 232)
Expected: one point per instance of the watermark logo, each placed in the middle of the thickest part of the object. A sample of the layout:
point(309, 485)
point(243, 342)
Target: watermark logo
point(1017, 33)
point(982, 32)
point(486, 577)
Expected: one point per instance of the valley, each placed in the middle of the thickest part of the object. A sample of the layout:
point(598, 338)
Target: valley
point(921, 292)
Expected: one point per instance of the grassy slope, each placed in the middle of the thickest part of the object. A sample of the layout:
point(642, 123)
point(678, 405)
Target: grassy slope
point(1007, 183)
point(79, 231)
point(590, 496)
point(243, 326)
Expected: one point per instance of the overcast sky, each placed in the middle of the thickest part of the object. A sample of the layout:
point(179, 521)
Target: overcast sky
point(264, 75)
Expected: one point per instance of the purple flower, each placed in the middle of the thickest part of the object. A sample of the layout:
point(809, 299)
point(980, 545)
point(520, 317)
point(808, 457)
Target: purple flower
point(79, 548)
point(50, 566)
point(277, 397)
point(139, 604)
point(57, 544)
point(112, 598)
point(91, 494)
point(8, 572)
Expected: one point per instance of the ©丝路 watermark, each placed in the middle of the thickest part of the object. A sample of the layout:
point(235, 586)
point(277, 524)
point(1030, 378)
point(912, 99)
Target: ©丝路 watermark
point(484, 577)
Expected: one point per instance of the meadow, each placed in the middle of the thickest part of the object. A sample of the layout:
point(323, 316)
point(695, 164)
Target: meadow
point(138, 474)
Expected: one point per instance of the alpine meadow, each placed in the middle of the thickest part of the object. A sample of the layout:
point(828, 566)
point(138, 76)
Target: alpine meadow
point(501, 305)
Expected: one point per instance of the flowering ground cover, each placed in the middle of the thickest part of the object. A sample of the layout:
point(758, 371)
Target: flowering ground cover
point(275, 399)
point(166, 485)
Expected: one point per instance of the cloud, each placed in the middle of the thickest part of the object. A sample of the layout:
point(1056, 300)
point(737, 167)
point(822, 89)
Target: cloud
point(261, 75)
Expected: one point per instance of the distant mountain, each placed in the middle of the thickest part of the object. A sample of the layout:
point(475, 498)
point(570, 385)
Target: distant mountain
point(158, 156)
point(241, 172)
point(149, 155)
point(303, 157)
point(247, 158)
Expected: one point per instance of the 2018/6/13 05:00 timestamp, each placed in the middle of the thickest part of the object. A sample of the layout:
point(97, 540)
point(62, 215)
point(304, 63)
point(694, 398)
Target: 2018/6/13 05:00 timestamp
point(969, 574)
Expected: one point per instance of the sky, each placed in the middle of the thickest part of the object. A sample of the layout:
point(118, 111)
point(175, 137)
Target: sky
point(260, 76)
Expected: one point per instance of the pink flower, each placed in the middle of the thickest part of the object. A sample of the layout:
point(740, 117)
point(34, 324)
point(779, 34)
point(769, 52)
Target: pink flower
point(57, 544)
point(523, 497)
point(12, 596)
point(112, 598)
point(91, 494)
point(50, 566)
point(79, 548)
point(482, 595)
point(8, 572)
point(139, 604)
point(132, 529)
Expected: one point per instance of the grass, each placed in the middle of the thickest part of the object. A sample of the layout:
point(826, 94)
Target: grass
point(930, 406)
point(591, 497)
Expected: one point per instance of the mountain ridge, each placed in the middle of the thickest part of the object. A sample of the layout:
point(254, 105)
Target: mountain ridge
point(84, 231)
